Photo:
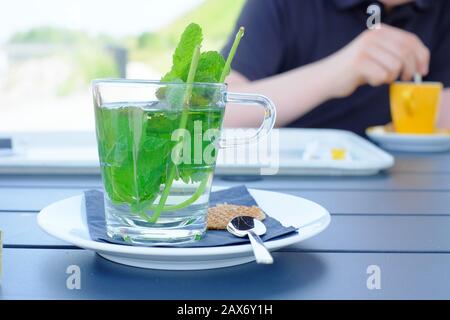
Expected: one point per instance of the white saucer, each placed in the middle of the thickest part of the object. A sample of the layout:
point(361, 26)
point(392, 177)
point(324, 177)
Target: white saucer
point(66, 220)
point(438, 142)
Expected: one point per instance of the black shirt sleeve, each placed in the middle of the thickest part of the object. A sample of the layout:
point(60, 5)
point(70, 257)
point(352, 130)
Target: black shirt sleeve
point(440, 52)
point(260, 52)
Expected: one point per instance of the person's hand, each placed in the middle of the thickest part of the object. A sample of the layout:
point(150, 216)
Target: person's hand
point(377, 57)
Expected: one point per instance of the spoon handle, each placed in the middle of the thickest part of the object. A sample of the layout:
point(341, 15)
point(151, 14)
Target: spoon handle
point(260, 251)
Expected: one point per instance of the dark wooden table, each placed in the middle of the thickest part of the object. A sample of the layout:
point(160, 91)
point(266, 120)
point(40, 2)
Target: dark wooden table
point(398, 221)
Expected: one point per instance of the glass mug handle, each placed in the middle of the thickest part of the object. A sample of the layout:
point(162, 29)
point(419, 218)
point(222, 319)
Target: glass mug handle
point(266, 126)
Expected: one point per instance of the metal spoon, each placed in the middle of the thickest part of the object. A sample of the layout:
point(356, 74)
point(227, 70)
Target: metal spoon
point(253, 228)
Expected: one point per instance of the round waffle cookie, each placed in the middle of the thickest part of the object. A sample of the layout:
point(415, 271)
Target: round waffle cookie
point(221, 214)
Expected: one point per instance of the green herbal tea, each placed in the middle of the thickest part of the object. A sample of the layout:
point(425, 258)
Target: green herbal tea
point(158, 156)
point(135, 149)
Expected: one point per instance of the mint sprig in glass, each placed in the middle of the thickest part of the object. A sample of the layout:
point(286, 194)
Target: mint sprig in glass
point(158, 140)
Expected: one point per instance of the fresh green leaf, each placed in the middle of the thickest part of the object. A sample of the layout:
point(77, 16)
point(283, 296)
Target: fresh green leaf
point(181, 61)
point(174, 93)
point(210, 67)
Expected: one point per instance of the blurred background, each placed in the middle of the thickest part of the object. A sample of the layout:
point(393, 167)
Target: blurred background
point(50, 50)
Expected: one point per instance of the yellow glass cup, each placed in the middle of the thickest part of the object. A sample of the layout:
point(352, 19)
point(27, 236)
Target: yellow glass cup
point(415, 107)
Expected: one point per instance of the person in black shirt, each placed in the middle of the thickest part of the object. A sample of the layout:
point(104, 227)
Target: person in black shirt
point(323, 66)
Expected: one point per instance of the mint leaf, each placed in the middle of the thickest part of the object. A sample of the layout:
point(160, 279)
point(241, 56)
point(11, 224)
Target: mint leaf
point(210, 67)
point(174, 93)
point(190, 39)
point(209, 70)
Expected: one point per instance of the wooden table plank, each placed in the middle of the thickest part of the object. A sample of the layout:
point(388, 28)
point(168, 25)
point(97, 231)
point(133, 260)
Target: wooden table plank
point(384, 181)
point(381, 234)
point(25, 199)
point(381, 202)
point(421, 163)
point(345, 233)
point(41, 274)
point(381, 182)
point(337, 202)
point(50, 181)
point(20, 229)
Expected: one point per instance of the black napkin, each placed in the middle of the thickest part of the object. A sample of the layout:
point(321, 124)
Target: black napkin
point(95, 214)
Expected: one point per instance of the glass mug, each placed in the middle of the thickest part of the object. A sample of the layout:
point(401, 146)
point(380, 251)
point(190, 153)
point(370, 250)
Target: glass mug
point(157, 145)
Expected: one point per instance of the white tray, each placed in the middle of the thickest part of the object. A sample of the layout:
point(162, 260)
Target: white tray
point(301, 152)
point(308, 152)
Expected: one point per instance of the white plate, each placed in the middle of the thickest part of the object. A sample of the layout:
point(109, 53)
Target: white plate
point(438, 142)
point(66, 220)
